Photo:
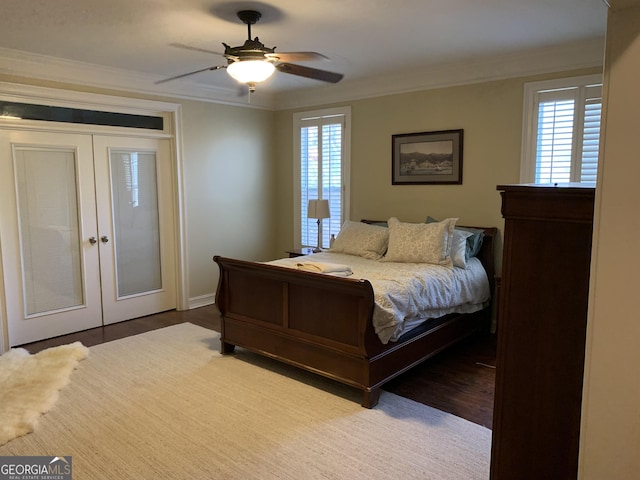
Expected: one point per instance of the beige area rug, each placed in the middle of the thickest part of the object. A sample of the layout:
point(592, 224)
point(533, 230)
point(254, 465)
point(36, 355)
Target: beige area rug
point(167, 405)
point(29, 385)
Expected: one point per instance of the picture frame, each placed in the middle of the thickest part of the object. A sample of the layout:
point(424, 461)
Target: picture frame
point(424, 158)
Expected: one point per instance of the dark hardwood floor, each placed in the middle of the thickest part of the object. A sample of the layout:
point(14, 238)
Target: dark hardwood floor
point(459, 380)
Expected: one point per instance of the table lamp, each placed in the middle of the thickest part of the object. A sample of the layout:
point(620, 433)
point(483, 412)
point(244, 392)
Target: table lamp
point(318, 209)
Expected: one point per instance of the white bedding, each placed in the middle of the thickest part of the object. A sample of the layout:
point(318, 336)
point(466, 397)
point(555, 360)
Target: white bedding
point(408, 293)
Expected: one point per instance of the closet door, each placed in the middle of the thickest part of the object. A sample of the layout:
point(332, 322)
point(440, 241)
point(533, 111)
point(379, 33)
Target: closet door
point(136, 224)
point(86, 231)
point(48, 234)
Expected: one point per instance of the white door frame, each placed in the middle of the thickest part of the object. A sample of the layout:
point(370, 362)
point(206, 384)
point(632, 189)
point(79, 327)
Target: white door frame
point(172, 115)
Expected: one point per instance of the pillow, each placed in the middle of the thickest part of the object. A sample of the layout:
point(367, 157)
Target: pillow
point(459, 254)
point(420, 242)
point(474, 241)
point(361, 239)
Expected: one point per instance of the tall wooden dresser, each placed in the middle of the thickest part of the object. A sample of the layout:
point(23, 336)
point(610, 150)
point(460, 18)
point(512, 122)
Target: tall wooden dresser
point(541, 331)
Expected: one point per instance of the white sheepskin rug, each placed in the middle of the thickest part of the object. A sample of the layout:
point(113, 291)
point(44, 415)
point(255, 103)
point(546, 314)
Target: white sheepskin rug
point(29, 385)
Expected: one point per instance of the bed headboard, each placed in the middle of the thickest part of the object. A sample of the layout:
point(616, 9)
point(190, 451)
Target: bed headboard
point(487, 252)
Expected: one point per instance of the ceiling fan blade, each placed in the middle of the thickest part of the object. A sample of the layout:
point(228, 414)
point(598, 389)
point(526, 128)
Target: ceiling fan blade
point(196, 49)
point(296, 56)
point(309, 72)
point(216, 67)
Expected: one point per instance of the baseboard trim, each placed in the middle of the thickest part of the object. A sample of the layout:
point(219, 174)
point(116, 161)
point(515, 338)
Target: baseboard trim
point(202, 301)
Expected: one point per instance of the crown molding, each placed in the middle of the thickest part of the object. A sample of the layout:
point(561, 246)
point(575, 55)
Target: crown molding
point(573, 56)
point(53, 69)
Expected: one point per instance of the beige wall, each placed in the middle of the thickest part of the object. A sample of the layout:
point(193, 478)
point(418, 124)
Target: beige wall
point(610, 444)
point(491, 116)
point(229, 178)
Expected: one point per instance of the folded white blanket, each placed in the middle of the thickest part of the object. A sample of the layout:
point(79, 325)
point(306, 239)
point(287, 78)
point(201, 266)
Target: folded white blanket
point(336, 269)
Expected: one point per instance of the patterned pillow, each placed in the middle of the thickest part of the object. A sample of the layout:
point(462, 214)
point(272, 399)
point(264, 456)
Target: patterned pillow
point(420, 242)
point(474, 241)
point(364, 240)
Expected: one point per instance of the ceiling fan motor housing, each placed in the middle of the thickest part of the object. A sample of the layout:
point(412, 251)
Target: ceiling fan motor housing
point(251, 50)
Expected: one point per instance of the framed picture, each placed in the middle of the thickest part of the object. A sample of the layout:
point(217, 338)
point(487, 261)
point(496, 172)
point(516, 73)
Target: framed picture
point(427, 158)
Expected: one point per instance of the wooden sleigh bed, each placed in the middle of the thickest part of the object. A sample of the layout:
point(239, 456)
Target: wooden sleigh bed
point(324, 324)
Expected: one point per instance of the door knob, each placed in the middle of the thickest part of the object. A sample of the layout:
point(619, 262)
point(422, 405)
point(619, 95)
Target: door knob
point(104, 239)
point(92, 240)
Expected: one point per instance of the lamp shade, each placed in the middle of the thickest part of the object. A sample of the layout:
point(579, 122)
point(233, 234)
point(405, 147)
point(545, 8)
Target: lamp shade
point(251, 71)
point(318, 209)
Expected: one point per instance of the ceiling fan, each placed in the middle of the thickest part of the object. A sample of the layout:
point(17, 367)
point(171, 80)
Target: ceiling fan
point(252, 62)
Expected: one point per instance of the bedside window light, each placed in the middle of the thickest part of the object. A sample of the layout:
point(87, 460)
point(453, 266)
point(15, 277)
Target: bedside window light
point(251, 71)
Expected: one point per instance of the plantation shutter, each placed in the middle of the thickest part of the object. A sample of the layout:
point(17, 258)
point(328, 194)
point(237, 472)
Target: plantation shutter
point(332, 178)
point(591, 135)
point(555, 140)
point(568, 132)
point(321, 172)
point(308, 180)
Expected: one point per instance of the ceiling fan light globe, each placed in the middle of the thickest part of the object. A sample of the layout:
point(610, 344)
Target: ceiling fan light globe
point(251, 71)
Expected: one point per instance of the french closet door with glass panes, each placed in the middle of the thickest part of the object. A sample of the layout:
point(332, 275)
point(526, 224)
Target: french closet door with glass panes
point(86, 231)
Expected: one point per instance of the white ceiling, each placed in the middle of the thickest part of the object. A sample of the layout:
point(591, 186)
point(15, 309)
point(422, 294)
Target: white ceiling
point(381, 46)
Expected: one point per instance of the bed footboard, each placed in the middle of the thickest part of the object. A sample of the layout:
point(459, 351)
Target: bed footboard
point(314, 321)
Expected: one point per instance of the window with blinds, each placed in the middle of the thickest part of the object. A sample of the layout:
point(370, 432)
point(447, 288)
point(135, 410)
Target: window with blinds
point(321, 172)
point(562, 130)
